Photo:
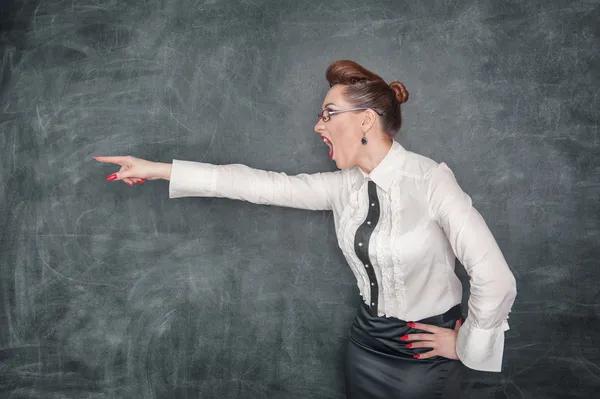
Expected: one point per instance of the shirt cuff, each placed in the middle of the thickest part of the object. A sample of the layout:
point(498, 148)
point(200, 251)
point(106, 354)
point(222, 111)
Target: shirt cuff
point(481, 349)
point(192, 179)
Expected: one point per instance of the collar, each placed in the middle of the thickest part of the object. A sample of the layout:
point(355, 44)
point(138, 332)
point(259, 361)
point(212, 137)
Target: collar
point(386, 171)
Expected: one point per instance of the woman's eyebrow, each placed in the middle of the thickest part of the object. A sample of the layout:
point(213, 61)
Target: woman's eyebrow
point(328, 104)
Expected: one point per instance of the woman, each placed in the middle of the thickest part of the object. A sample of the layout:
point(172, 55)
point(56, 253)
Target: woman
point(400, 219)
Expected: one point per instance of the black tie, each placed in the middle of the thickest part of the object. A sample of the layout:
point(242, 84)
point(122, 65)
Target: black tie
point(361, 243)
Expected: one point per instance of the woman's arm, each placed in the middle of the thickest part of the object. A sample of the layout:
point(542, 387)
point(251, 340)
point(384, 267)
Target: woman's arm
point(315, 191)
point(240, 182)
point(480, 340)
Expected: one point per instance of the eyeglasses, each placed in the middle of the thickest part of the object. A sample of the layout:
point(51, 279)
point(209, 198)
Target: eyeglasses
point(327, 113)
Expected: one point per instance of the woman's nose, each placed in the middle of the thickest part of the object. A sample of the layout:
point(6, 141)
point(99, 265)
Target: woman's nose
point(319, 126)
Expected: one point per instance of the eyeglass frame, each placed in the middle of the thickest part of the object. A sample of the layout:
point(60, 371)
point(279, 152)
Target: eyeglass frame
point(339, 111)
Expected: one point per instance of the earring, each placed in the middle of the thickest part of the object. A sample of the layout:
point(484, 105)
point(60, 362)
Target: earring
point(364, 140)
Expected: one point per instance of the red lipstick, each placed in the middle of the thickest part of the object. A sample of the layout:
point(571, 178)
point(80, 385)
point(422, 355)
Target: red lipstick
point(326, 141)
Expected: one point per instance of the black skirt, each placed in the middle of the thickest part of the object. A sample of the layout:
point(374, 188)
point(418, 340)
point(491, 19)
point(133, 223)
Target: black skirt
point(380, 366)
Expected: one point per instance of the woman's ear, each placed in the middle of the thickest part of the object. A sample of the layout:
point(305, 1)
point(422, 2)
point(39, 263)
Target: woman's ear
point(368, 120)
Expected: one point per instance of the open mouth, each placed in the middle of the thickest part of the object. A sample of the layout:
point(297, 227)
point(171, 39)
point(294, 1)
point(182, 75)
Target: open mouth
point(326, 141)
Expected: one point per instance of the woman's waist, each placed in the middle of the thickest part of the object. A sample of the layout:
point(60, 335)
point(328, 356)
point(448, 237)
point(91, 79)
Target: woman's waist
point(383, 334)
point(413, 302)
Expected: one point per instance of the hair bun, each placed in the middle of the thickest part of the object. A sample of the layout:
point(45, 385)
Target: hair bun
point(400, 91)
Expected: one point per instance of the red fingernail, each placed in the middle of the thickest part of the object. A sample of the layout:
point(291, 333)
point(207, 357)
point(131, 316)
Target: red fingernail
point(140, 181)
point(416, 356)
point(408, 345)
point(131, 184)
point(410, 324)
point(112, 177)
point(404, 337)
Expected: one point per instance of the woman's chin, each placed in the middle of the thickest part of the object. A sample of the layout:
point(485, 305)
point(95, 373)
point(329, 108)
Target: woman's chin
point(342, 164)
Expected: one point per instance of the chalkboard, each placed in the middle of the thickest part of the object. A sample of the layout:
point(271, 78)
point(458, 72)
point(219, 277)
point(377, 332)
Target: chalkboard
point(111, 291)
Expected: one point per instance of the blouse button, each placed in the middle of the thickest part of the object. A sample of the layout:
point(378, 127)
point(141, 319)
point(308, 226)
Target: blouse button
point(360, 244)
point(372, 303)
point(367, 265)
point(372, 204)
point(372, 283)
point(368, 222)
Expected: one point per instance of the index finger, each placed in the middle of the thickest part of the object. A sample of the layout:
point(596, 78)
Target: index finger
point(119, 160)
point(424, 327)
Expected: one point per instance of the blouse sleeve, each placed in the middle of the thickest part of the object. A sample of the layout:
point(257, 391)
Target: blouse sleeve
point(240, 182)
point(480, 340)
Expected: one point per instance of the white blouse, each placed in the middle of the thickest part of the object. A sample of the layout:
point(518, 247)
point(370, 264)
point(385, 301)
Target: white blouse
point(425, 220)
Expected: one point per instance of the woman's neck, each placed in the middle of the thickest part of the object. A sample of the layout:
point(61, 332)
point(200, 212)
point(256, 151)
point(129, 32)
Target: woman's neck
point(374, 152)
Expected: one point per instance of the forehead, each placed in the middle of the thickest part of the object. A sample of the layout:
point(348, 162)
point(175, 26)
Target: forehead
point(335, 95)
